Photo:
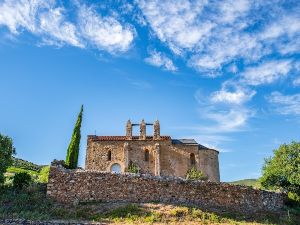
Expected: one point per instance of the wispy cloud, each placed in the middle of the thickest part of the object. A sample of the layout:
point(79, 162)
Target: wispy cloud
point(232, 93)
point(141, 85)
point(106, 33)
point(212, 34)
point(267, 72)
point(287, 25)
point(41, 18)
point(296, 81)
point(176, 23)
point(160, 60)
point(49, 21)
point(53, 26)
point(212, 141)
point(212, 37)
point(231, 117)
point(285, 104)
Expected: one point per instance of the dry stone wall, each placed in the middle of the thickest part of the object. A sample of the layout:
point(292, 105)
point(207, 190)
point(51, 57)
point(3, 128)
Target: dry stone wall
point(71, 186)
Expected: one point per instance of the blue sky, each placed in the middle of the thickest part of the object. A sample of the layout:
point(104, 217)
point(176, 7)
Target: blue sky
point(226, 73)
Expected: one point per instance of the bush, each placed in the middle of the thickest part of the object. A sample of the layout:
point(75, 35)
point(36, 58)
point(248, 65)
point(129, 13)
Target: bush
point(21, 180)
point(44, 173)
point(133, 168)
point(194, 174)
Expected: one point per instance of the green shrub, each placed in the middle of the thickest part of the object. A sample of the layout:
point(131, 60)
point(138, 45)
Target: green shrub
point(43, 175)
point(179, 212)
point(21, 180)
point(194, 174)
point(133, 168)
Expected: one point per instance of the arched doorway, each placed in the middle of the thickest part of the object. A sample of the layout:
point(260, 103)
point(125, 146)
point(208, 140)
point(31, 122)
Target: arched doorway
point(116, 168)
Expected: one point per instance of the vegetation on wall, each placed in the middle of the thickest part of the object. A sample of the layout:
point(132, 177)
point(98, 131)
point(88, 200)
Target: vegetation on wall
point(194, 174)
point(73, 149)
point(133, 168)
point(6, 151)
point(282, 171)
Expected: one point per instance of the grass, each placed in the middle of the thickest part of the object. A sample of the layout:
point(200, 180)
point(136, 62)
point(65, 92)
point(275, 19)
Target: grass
point(32, 203)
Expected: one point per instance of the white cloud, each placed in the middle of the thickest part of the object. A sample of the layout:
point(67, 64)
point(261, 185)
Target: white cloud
point(282, 34)
point(53, 25)
point(285, 104)
point(20, 14)
point(237, 96)
point(104, 32)
point(287, 25)
point(213, 37)
point(175, 22)
point(232, 9)
point(229, 120)
point(296, 82)
point(223, 118)
point(49, 21)
point(267, 72)
point(160, 60)
point(41, 18)
point(212, 34)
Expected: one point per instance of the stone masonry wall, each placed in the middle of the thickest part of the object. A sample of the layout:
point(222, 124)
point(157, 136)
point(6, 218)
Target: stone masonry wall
point(70, 186)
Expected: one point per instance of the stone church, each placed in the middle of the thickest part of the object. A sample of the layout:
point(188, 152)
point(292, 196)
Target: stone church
point(155, 155)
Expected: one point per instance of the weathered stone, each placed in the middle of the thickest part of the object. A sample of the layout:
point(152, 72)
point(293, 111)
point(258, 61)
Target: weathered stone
point(108, 187)
point(165, 157)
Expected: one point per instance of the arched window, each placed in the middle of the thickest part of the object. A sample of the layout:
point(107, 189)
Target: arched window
point(109, 156)
point(146, 155)
point(115, 168)
point(192, 159)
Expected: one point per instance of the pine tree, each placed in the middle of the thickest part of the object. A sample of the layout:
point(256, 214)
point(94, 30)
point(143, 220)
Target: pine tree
point(73, 149)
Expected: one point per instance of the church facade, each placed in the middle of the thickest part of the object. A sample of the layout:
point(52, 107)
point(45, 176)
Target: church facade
point(154, 155)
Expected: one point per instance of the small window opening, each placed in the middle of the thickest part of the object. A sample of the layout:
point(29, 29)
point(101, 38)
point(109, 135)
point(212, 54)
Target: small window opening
point(146, 155)
point(192, 159)
point(109, 156)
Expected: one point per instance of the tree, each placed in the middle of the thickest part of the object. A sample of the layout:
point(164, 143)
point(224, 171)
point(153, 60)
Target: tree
point(73, 149)
point(194, 174)
point(282, 171)
point(6, 151)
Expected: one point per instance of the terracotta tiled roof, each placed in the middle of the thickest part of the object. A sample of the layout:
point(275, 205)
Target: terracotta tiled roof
point(122, 138)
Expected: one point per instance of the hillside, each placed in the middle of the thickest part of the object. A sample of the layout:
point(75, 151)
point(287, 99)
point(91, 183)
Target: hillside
point(248, 182)
point(38, 173)
point(23, 164)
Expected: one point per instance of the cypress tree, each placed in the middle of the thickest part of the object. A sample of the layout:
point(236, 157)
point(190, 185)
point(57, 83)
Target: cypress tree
point(73, 149)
